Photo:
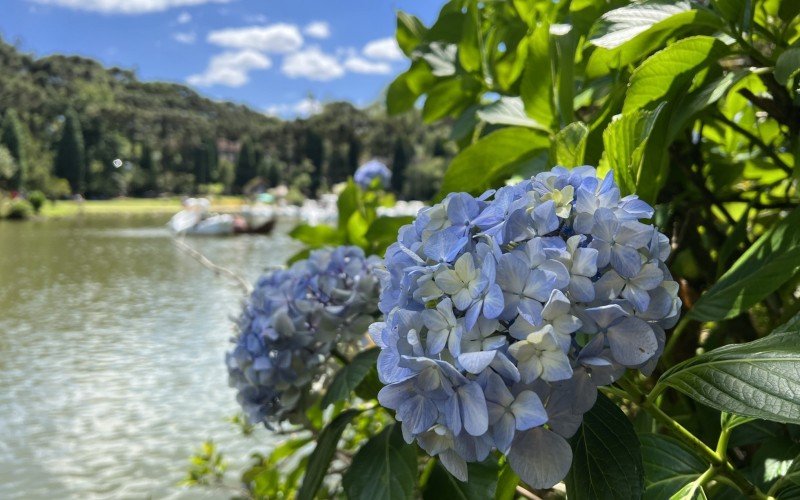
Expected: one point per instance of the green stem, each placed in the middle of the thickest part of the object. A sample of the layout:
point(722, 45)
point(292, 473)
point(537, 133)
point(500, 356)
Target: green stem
point(341, 357)
point(426, 472)
point(719, 463)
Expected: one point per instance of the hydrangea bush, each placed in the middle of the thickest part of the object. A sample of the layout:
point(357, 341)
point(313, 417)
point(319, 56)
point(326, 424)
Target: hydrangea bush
point(506, 311)
point(367, 174)
point(294, 324)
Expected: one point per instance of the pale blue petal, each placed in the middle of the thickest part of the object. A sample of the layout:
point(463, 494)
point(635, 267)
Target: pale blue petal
point(476, 362)
point(528, 411)
point(503, 432)
point(473, 407)
point(632, 341)
point(541, 458)
point(626, 261)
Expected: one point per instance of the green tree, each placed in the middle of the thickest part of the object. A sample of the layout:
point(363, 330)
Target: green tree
point(13, 138)
point(70, 163)
point(246, 165)
point(315, 152)
point(149, 169)
point(354, 153)
point(400, 161)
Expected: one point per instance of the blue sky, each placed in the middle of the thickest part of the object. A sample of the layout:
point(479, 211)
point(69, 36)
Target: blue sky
point(280, 56)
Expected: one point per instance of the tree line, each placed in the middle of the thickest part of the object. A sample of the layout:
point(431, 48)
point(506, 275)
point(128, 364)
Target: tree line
point(71, 126)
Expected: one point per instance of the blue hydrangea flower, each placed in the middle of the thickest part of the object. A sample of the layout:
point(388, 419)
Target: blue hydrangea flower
point(292, 322)
point(368, 172)
point(505, 312)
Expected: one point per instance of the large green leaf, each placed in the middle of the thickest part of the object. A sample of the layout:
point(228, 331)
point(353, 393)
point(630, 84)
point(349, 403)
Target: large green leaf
point(404, 91)
point(536, 85)
point(385, 467)
point(320, 459)
point(491, 159)
point(668, 466)
point(569, 145)
point(624, 140)
point(607, 461)
point(691, 491)
point(480, 486)
point(770, 262)
point(349, 376)
point(666, 73)
point(632, 32)
point(410, 32)
point(758, 379)
point(317, 236)
point(449, 97)
point(383, 232)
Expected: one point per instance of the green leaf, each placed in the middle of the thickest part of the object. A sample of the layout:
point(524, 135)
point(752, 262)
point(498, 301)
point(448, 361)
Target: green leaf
point(570, 145)
point(404, 91)
point(769, 263)
point(490, 160)
point(508, 111)
point(759, 379)
point(441, 57)
point(449, 98)
point(536, 85)
point(693, 103)
point(481, 485)
point(624, 140)
point(469, 53)
point(383, 232)
point(629, 33)
point(320, 459)
point(506, 484)
point(670, 71)
point(607, 459)
point(787, 66)
point(410, 32)
point(619, 26)
point(739, 12)
point(788, 487)
point(385, 467)
point(349, 202)
point(691, 491)
point(349, 376)
point(668, 465)
point(317, 236)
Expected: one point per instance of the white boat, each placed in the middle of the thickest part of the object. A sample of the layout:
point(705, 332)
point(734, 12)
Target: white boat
point(194, 219)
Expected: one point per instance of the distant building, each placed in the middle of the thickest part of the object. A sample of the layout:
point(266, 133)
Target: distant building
point(228, 150)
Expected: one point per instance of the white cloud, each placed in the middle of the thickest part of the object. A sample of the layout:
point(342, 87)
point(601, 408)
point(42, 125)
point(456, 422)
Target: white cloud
point(312, 64)
point(188, 37)
point(384, 49)
point(278, 38)
point(184, 18)
point(231, 69)
point(125, 6)
point(318, 29)
point(357, 64)
point(305, 107)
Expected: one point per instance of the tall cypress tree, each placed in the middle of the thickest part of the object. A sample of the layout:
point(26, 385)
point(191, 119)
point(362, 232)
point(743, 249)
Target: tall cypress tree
point(70, 163)
point(315, 152)
point(400, 161)
point(148, 166)
point(212, 159)
point(12, 137)
point(246, 166)
point(354, 153)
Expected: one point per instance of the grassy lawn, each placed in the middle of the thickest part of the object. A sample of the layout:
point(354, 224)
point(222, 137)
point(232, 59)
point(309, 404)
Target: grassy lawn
point(133, 206)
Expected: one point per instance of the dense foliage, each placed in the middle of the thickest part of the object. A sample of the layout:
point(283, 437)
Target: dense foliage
point(70, 118)
point(692, 106)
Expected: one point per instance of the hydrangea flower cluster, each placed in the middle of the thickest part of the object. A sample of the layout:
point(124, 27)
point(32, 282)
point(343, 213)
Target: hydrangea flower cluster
point(292, 323)
point(368, 172)
point(505, 312)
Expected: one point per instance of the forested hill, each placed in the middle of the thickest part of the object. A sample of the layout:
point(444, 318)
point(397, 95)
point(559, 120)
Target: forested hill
point(66, 119)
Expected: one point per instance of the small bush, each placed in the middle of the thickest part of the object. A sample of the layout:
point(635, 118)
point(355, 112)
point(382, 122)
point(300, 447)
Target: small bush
point(19, 209)
point(37, 200)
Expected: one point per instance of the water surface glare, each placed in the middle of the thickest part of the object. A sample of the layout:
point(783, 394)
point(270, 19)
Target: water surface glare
point(111, 356)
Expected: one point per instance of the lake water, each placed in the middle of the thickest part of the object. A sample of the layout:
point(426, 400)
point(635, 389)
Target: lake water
point(111, 356)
